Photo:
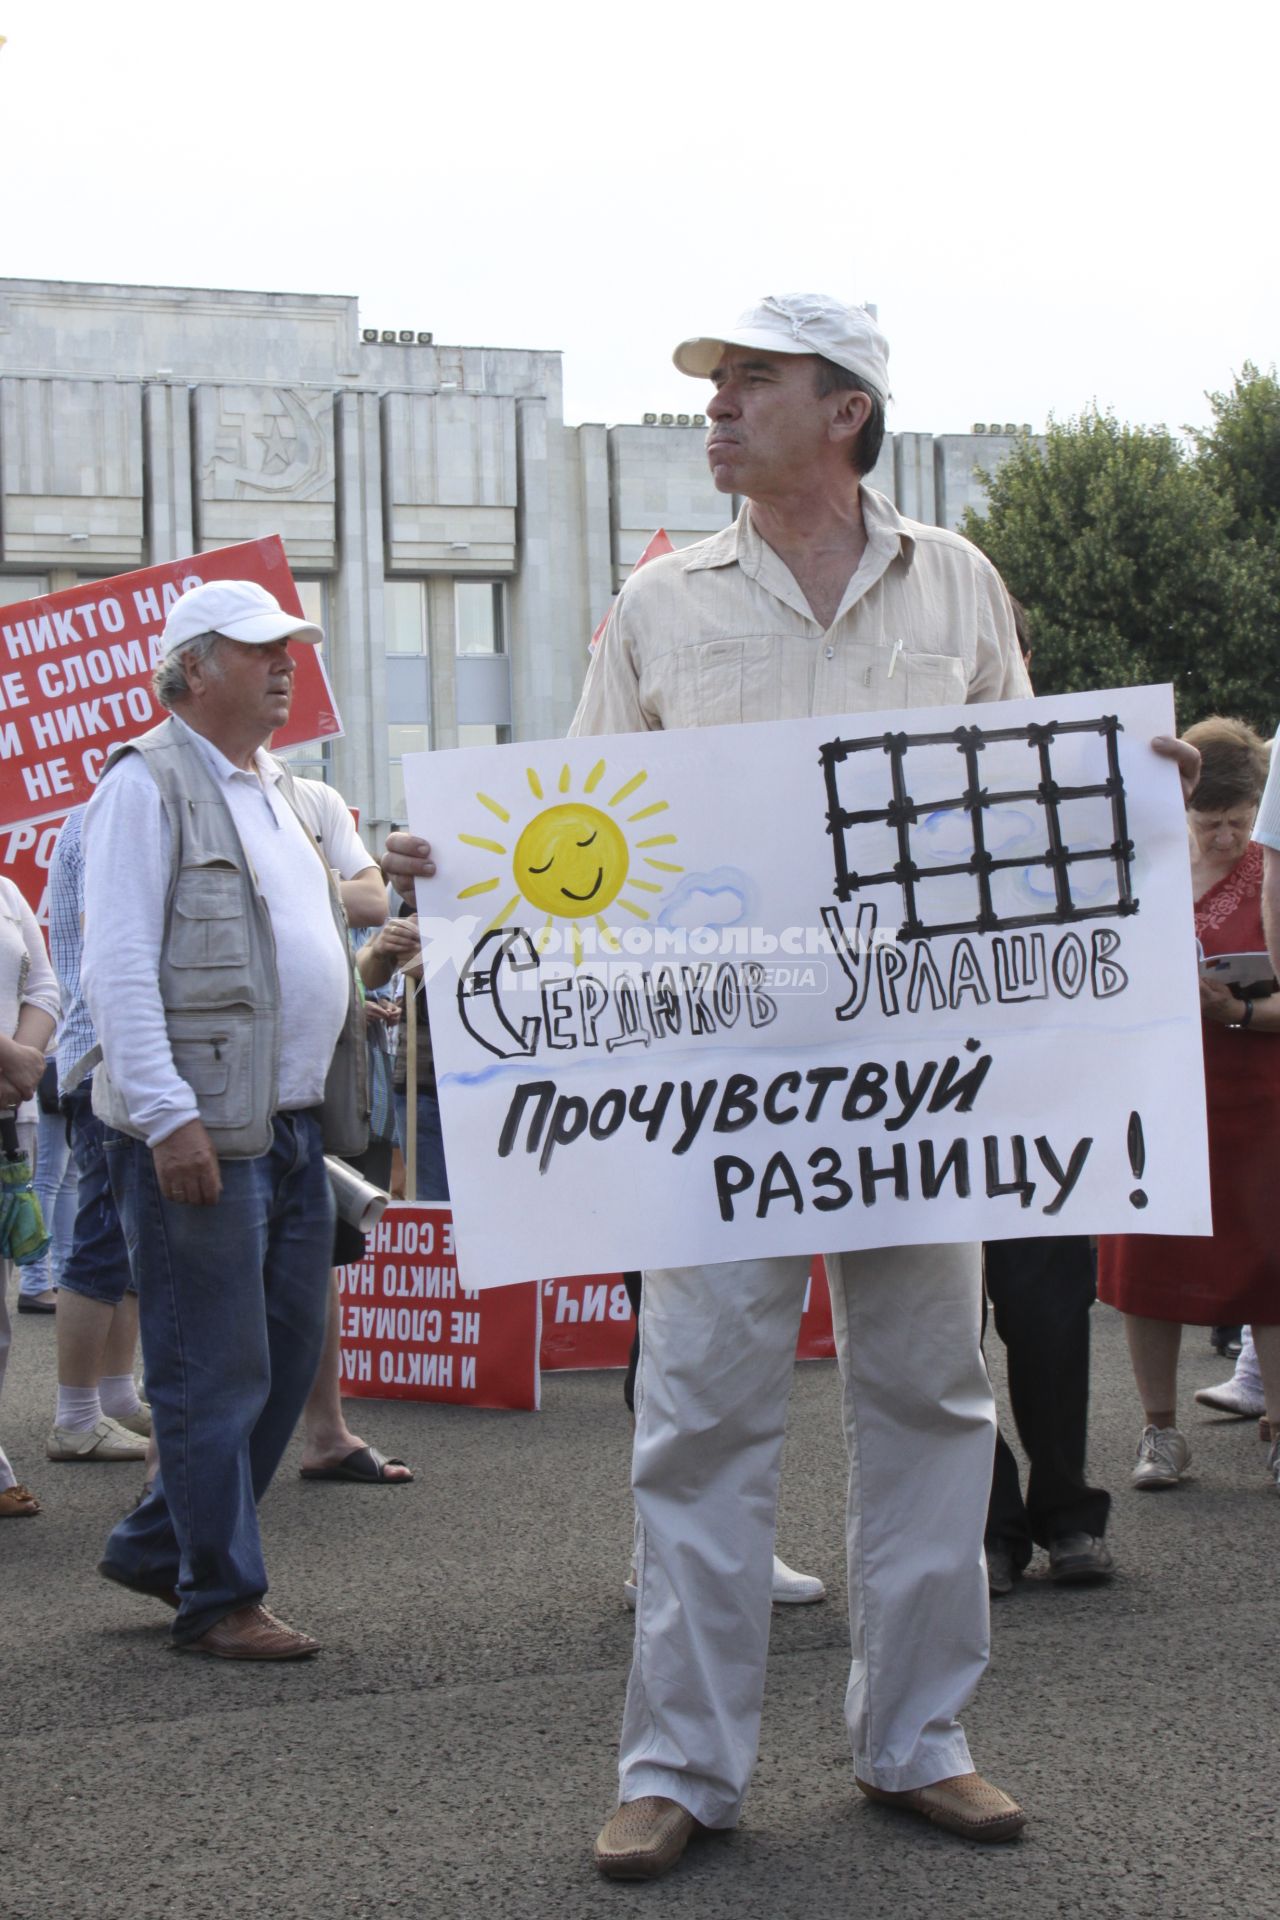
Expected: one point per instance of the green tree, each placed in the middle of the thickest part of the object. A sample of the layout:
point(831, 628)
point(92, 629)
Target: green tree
point(1128, 554)
point(1242, 452)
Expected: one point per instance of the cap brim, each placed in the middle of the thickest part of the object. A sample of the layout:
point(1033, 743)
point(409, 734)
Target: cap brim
point(258, 629)
point(701, 356)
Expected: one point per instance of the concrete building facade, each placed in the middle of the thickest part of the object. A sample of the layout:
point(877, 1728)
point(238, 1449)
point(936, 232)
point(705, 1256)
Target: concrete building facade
point(456, 539)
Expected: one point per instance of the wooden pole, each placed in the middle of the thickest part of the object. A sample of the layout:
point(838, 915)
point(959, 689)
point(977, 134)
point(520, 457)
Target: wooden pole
point(411, 1089)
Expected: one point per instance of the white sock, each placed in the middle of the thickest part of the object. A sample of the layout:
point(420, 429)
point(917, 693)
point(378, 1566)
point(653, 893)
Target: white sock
point(79, 1409)
point(119, 1394)
point(1248, 1373)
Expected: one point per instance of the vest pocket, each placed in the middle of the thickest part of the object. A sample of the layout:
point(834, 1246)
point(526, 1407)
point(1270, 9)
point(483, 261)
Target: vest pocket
point(212, 1053)
point(208, 927)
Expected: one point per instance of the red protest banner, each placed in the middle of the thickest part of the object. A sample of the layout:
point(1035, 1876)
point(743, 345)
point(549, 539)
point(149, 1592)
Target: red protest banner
point(658, 543)
point(409, 1332)
point(76, 667)
point(25, 853)
point(587, 1321)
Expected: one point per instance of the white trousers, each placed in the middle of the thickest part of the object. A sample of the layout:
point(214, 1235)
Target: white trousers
point(717, 1346)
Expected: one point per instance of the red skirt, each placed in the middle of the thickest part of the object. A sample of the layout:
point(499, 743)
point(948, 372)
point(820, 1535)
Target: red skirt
point(1233, 1276)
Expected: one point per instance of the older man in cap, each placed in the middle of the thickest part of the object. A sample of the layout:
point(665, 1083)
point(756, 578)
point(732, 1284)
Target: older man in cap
point(819, 598)
point(217, 974)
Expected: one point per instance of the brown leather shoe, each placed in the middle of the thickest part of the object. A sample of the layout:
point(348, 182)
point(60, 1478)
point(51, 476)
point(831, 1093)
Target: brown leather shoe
point(644, 1838)
point(252, 1633)
point(966, 1804)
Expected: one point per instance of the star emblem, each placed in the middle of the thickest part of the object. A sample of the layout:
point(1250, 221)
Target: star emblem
point(278, 453)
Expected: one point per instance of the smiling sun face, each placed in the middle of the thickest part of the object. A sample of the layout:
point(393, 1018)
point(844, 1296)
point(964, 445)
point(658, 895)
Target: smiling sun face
point(573, 859)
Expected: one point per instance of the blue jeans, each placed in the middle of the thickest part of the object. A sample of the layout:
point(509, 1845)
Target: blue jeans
point(97, 1265)
point(433, 1178)
point(55, 1185)
point(232, 1303)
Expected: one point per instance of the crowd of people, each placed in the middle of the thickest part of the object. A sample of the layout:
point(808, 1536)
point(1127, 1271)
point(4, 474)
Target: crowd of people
point(224, 1022)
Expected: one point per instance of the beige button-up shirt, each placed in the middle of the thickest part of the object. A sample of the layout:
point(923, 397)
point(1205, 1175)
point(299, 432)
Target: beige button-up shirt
point(720, 632)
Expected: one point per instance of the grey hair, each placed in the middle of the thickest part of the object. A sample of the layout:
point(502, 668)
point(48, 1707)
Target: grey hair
point(834, 379)
point(169, 682)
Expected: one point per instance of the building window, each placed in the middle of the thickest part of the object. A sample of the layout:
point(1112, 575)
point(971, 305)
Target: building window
point(309, 762)
point(314, 597)
point(21, 586)
point(483, 677)
point(478, 621)
point(487, 735)
point(402, 740)
point(404, 609)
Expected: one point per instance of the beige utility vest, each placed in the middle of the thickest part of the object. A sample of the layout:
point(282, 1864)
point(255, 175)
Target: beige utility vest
point(218, 980)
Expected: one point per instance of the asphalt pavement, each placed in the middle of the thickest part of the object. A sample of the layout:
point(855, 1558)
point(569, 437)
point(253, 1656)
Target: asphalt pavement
point(451, 1752)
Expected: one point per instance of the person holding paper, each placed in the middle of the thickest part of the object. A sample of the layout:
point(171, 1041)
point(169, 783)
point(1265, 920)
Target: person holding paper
point(218, 978)
point(819, 598)
point(1161, 1282)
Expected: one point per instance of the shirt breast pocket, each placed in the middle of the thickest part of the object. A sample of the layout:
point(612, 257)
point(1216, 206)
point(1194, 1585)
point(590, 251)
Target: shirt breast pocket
point(933, 680)
point(207, 927)
point(714, 693)
point(731, 680)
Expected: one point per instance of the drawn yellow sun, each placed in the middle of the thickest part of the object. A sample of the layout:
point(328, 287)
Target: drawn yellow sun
point(571, 860)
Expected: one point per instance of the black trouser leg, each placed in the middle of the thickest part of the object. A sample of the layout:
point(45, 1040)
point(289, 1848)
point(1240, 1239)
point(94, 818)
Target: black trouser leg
point(632, 1282)
point(1041, 1292)
point(1007, 1524)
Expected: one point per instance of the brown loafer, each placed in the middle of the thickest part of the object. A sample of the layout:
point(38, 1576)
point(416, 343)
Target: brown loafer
point(252, 1633)
point(966, 1804)
point(644, 1838)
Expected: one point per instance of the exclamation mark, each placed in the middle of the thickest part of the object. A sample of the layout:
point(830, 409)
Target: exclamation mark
point(1137, 1158)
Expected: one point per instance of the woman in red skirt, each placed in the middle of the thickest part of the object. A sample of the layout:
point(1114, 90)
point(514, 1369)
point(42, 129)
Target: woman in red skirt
point(1161, 1283)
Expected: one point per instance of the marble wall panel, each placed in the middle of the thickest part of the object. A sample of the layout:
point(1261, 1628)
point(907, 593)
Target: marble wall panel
point(72, 467)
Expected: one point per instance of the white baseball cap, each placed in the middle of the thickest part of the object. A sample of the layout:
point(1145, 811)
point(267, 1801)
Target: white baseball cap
point(798, 323)
point(239, 608)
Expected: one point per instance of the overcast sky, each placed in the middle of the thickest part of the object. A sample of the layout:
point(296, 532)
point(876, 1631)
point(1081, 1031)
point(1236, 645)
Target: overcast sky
point(1049, 205)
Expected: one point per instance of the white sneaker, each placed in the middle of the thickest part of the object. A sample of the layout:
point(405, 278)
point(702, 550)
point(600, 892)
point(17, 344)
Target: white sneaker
point(1273, 1463)
point(790, 1589)
point(139, 1422)
point(1163, 1458)
point(1233, 1398)
point(108, 1440)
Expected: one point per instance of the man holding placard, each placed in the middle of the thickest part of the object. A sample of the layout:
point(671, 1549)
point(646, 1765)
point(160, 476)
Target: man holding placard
point(819, 598)
point(819, 601)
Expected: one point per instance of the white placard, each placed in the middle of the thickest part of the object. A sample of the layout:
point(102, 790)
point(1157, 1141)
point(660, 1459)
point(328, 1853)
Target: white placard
point(813, 984)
